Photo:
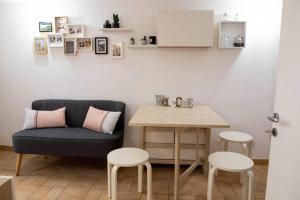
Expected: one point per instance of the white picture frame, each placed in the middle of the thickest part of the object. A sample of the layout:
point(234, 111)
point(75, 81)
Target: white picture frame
point(117, 50)
point(60, 24)
point(75, 30)
point(40, 45)
point(84, 44)
point(70, 46)
point(55, 40)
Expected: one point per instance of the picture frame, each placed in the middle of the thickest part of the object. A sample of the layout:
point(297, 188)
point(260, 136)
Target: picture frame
point(75, 30)
point(117, 50)
point(70, 46)
point(101, 45)
point(84, 44)
point(40, 45)
point(60, 24)
point(55, 40)
point(45, 27)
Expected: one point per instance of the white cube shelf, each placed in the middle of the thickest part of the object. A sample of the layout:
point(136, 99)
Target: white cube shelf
point(231, 29)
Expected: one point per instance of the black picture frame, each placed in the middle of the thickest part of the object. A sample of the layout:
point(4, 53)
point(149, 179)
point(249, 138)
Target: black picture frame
point(43, 27)
point(103, 47)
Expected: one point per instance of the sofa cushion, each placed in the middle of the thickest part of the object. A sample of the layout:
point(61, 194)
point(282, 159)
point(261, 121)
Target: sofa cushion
point(70, 141)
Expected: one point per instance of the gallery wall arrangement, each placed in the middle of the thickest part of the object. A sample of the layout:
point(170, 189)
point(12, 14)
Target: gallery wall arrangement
point(192, 29)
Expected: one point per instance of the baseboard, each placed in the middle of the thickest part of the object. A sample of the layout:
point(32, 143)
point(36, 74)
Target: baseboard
point(261, 161)
point(6, 148)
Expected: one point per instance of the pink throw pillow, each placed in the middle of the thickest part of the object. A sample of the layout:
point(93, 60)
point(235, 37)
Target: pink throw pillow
point(94, 118)
point(51, 119)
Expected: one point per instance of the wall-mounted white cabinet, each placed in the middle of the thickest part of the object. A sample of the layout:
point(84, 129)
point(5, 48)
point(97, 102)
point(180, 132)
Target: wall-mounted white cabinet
point(231, 30)
point(185, 28)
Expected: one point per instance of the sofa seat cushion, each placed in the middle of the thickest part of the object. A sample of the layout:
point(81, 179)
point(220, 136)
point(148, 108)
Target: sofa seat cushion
point(79, 142)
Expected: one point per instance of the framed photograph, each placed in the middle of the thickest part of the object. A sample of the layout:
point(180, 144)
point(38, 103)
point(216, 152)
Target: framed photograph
point(84, 44)
point(45, 26)
point(40, 45)
point(117, 50)
point(101, 45)
point(60, 24)
point(75, 30)
point(55, 40)
point(70, 46)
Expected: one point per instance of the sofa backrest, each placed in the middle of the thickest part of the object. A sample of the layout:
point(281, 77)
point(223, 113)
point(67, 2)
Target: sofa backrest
point(76, 110)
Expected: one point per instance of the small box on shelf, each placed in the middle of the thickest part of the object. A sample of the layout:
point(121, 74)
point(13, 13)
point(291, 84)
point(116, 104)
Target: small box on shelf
point(232, 34)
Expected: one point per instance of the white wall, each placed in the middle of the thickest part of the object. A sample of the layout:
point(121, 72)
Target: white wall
point(237, 84)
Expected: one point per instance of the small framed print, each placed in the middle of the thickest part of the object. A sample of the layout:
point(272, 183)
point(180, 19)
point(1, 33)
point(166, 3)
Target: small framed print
point(117, 50)
point(60, 24)
point(75, 30)
point(55, 40)
point(45, 26)
point(101, 45)
point(70, 46)
point(40, 45)
point(84, 44)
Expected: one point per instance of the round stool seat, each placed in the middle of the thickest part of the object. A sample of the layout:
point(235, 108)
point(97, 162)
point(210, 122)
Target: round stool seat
point(230, 161)
point(235, 136)
point(128, 157)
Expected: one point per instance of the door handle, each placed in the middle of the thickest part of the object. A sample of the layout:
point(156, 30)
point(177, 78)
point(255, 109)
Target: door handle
point(274, 117)
point(273, 131)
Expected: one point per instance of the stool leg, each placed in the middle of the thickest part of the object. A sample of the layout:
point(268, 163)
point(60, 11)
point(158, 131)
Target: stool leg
point(149, 181)
point(210, 186)
point(245, 185)
point(225, 146)
point(109, 166)
point(140, 178)
point(219, 144)
point(114, 179)
point(250, 185)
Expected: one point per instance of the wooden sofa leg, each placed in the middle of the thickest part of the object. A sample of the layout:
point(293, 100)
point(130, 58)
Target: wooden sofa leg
point(18, 164)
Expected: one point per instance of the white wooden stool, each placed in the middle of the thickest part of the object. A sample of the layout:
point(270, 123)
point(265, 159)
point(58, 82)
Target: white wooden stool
point(128, 157)
point(231, 162)
point(236, 137)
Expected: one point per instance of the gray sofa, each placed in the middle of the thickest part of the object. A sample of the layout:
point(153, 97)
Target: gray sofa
point(73, 140)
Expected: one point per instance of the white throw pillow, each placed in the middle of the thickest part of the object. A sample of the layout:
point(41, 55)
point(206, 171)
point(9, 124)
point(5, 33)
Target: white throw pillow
point(109, 122)
point(30, 119)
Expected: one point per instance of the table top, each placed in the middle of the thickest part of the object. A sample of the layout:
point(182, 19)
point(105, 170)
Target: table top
point(158, 116)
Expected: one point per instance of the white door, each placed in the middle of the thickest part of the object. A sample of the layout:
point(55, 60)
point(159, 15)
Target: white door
point(284, 169)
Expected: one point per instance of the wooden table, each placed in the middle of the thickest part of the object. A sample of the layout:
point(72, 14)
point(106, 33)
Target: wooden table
point(199, 117)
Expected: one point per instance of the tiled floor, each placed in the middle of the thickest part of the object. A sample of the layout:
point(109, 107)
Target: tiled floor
point(72, 179)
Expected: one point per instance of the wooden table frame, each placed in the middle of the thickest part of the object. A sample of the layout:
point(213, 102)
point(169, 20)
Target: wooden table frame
point(139, 120)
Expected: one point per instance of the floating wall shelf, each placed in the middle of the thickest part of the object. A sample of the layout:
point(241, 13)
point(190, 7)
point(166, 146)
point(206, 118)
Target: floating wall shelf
point(116, 29)
point(231, 29)
point(143, 46)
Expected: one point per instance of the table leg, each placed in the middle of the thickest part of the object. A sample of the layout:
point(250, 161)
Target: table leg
point(206, 153)
point(142, 137)
point(177, 163)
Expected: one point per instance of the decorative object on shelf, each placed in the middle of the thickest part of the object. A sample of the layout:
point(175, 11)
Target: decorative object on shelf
point(75, 30)
point(160, 100)
point(172, 102)
point(179, 102)
point(70, 46)
point(152, 39)
point(40, 45)
point(116, 23)
point(225, 16)
point(144, 40)
point(225, 41)
point(236, 16)
point(45, 26)
point(132, 41)
point(84, 44)
point(61, 24)
point(190, 102)
point(117, 50)
point(55, 40)
point(107, 24)
point(238, 41)
point(101, 45)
